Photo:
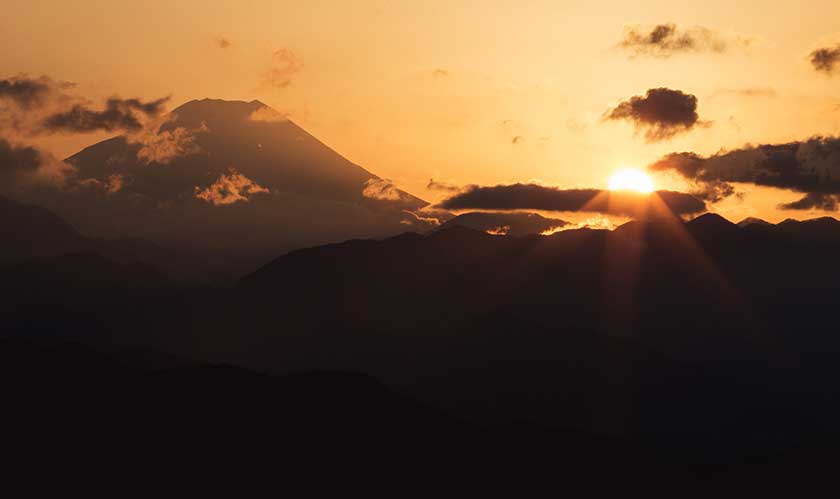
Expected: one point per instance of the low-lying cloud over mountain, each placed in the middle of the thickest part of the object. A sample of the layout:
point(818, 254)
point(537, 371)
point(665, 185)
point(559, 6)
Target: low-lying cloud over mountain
point(661, 113)
point(538, 197)
point(811, 167)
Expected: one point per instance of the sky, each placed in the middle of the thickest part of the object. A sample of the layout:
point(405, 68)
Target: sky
point(464, 92)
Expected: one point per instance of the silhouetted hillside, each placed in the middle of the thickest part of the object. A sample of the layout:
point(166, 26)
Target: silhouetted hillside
point(702, 337)
point(33, 233)
point(196, 418)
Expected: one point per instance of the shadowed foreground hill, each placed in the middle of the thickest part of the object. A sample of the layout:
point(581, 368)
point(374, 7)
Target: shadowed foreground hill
point(697, 325)
point(339, 428)
point(706, 337)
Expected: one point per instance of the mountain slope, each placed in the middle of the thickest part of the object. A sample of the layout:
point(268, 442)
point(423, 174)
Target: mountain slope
point(236, 180)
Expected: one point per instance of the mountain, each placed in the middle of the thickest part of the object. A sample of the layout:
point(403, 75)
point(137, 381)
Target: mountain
point(700, 334)
point(233, 180)
point(36, 236)
point(32, 231)
point(459, 313)
point(508, 224)
point(341, 424)
point(753, 221)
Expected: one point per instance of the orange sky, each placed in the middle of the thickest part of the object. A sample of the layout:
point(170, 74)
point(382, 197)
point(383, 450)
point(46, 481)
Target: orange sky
point(413, 90)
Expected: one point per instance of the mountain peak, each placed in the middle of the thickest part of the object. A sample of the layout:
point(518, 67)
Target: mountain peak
point(753, 221)
point(710, 220)
point(219, 112)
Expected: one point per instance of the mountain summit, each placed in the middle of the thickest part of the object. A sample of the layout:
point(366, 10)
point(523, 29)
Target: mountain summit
point(231, 177)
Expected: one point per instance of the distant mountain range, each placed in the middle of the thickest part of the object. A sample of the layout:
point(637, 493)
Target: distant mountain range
point(679, 331)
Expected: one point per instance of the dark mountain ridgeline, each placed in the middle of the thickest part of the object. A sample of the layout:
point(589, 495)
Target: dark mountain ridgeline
point(705, 335)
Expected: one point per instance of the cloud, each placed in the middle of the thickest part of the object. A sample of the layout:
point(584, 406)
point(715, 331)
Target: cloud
point(665, 40)
point(28, 92)
point(161, 143)
point(811, 167)
point(661, 113)
point(826, 59)
point(33, 106)
point(24, 167)
point(423, 221)
point(813, 201)
point(118, 115)
point(382, 190)
point(267, 114)
point(286, 64)
point(538, 197)
point(229, 189)
point(112, 184)
point(436, 185)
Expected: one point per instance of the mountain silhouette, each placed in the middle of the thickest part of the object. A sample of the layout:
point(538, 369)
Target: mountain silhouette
point(35, 234)
point(32, 231)
point(235, 182)
point(702, 336)
point(753, 221)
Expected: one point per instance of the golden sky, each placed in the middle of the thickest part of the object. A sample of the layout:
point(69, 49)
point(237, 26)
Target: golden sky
point(413, 90)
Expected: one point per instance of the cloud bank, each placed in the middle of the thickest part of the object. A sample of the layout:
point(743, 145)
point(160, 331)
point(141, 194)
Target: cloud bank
point(811, 167)
point(538, 197)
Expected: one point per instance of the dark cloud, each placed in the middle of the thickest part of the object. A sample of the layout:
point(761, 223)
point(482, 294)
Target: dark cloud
point(538, 197)
point(813, 201)
point(26, 92)
point(18, 158)
point(286, 64)
point(811, 167)
point(661, 112)
point(665, 40)
point(119, 114)
point(826, 59)
point(23, 167)
point(436, 185)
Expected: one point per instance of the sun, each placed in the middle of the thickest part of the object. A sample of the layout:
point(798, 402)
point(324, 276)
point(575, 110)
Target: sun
point(631, 179)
